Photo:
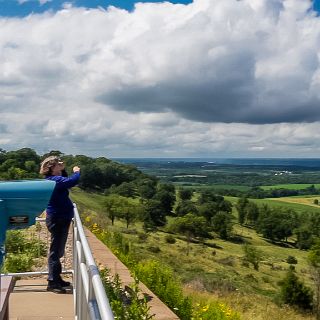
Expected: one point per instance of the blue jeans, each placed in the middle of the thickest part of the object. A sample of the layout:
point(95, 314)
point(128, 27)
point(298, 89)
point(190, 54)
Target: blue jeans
point(58, 227)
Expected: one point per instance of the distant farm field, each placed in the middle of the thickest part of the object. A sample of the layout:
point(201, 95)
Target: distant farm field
point(299, 204)
point(189, 185)
point(308, 201)
point(296, 186)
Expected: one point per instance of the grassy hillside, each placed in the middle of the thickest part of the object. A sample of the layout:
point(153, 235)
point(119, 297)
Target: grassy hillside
point(90, 200)
point(215, 268)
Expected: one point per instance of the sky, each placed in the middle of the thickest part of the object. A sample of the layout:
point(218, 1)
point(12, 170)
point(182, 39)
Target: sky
point(201, 78)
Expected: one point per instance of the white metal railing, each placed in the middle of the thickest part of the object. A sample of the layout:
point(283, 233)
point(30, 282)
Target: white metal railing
point(90, 299)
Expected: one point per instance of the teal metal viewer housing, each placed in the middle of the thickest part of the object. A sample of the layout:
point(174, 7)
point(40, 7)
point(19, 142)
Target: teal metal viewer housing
point(20, 203)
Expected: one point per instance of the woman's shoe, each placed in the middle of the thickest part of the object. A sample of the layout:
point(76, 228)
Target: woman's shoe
point(64, 284)
point(56, 288)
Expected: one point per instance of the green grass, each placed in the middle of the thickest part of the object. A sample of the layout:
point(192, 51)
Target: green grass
point(90, 200)
point(290, 186)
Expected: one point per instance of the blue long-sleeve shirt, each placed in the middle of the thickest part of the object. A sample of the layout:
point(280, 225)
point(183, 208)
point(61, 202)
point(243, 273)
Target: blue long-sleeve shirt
point(60, 204)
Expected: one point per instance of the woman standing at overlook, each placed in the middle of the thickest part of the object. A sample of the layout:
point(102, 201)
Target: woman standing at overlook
point(59, 214)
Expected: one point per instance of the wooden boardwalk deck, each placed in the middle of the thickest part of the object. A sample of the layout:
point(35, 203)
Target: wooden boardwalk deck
point(31, 301)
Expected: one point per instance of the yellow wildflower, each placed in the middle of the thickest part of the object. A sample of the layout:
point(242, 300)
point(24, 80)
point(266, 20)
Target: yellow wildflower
point(205, 308)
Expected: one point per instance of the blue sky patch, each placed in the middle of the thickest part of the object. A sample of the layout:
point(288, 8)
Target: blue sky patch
point(16, 8)
point(21, 8)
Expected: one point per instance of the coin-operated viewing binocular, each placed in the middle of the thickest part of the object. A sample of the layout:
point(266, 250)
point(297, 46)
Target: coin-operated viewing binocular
point(20, 203)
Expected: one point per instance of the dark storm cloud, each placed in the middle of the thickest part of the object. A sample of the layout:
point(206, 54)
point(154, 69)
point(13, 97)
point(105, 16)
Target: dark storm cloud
point(259, 70)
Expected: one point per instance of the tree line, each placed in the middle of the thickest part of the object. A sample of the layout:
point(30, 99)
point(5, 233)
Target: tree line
point(259, 193)
point(98, 174)
point(278, 224)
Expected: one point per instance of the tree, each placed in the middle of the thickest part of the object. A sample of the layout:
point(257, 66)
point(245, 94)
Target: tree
point(252, 255)
point(185, 194)
point(256, 193)
point(16, 173)
point(311, 190)
point(252, 212)
point(23, 155)
point(167, 197)
point(90, 177)
point(112, 206)
point(31, 166)
point(154, 215)
point(277, 224)
point(209, 196)
point(56, 153)
point(129, 211)
point(286, 223)
point(224, 205)
point(221, 223)
point(294, 292)
point(314, 261)
point(208, 210)
point(146, 188)
point(125, 189)
point(9, 163)
point(191, 226)
point(241, 208)
point(185, 207)
point(314, 224)
point(305, 238)
point(3, 155)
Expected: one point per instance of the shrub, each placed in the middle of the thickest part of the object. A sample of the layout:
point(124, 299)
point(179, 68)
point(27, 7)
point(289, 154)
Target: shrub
point(163, 283)
point(143, 236)
point(18, 262)
point(252, 255)
point(292, 260)
point(295, 293)
point(154, 249)
point(125, 302)
point(170, 239)
point(22, 251)
point(15, 241)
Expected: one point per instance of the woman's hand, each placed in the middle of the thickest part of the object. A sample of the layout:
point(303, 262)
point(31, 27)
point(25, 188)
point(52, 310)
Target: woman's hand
point(76, 169)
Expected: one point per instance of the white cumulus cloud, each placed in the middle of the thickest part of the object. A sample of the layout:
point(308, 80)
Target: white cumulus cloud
point(220, 77)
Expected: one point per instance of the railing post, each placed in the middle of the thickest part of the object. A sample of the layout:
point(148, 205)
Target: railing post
point(75, 271)
point(91, 299)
